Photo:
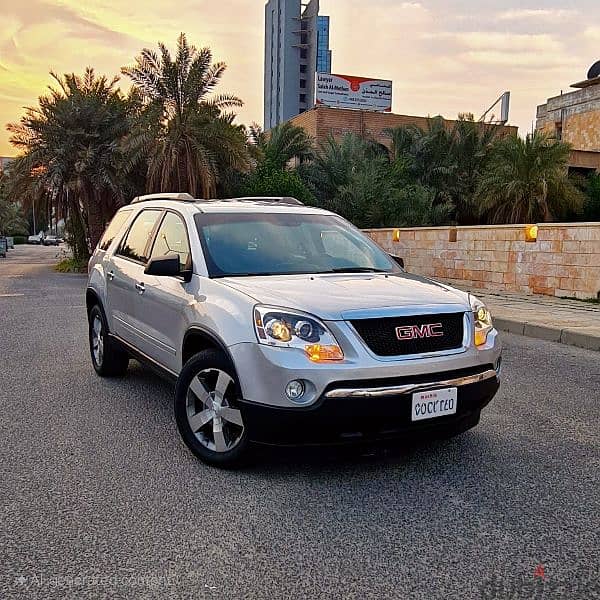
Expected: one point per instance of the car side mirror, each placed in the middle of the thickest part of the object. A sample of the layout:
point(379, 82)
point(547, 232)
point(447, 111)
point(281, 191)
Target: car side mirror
point(164, 266)
point(398, 259)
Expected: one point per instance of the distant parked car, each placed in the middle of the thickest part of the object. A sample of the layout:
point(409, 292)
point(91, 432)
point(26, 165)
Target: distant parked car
point(50, 240)
point(35, 239)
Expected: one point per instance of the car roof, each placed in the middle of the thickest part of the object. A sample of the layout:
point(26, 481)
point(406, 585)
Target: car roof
point(230, 205)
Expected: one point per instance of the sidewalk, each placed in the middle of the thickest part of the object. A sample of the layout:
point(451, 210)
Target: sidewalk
point(566, 321)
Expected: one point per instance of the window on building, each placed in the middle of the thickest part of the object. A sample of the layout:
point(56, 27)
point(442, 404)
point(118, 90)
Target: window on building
point(303, 83)
point(302, 68)
point(303, 53)
point(558, 131)
point(302, 98)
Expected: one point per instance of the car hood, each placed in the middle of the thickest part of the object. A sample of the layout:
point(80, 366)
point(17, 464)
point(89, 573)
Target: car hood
point(338, 296)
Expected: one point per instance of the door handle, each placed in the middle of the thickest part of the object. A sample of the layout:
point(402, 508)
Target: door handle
point(140, 287)
point(110, 275)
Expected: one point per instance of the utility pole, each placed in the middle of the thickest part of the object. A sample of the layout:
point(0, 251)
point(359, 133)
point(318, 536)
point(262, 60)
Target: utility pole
point(34, 228)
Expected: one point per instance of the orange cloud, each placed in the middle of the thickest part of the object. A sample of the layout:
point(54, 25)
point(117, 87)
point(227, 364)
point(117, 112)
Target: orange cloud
point(441, 61)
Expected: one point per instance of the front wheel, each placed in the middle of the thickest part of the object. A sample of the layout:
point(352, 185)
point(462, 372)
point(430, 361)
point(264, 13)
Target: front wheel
point(207, 410)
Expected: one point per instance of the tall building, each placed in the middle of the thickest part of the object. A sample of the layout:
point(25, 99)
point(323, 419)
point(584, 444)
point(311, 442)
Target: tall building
point(323, 51)
point(574, 117)
point(296, 46)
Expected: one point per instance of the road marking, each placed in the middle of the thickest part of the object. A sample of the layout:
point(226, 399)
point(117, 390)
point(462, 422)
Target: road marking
point(10, 295)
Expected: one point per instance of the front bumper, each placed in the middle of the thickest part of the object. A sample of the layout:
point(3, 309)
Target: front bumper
point(354, 411)
point(265, 371)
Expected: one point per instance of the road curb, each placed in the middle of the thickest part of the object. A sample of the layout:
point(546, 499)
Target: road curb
point(570, 336)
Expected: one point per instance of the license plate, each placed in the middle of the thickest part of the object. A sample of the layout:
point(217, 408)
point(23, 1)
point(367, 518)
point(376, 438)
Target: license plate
point(435, 403)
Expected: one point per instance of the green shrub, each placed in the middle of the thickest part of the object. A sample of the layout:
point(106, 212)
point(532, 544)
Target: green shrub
point(20, 239)
point(273, 182)
point(71, 265)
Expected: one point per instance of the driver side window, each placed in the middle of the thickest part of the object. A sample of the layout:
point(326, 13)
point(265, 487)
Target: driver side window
point(172, 237)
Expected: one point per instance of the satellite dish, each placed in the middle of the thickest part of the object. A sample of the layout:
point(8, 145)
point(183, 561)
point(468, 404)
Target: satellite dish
point(594, 71)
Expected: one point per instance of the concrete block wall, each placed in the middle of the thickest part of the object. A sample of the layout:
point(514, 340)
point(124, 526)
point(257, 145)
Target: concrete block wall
point(564, 261)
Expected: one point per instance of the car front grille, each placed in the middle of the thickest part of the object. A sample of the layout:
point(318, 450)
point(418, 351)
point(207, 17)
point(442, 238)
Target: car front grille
point(419, 334)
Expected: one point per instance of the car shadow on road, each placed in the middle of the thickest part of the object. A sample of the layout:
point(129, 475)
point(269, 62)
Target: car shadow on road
point(272, 461)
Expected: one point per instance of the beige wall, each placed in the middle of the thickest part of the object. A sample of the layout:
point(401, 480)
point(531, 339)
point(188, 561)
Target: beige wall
point(564, 261)
point(582, 130)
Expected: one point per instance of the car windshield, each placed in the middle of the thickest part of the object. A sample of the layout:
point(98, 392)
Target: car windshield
point(241, 245)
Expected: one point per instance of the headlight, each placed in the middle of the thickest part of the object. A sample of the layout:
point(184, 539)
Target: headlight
point(483, 322)
point(288, 329)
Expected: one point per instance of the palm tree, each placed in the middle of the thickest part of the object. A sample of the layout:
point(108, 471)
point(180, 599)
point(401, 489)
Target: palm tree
point(449, 161)
point(276, 148)
point(527, 181)
point(183, 132)
point(71, 153)
point(356, 178)
point(333, 164)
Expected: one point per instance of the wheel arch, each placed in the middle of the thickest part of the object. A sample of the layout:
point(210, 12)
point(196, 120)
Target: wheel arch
point(91, 299)
point(198, 338)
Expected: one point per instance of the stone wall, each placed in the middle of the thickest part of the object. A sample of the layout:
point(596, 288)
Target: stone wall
point(564, 261)
point(582, 130)
point(576, 114)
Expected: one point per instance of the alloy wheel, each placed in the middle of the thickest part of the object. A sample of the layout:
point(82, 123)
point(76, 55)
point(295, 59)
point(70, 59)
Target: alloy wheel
point(97, 340)
point(211, 411)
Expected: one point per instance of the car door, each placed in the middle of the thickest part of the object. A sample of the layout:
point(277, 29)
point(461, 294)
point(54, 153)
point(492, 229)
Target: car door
point(125, 272)
point(162, 306)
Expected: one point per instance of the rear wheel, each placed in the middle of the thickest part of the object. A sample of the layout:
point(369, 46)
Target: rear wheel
point(207, 410)
point(107, 357)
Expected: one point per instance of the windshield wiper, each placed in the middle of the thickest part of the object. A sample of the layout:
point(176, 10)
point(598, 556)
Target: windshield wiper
point(357, 270)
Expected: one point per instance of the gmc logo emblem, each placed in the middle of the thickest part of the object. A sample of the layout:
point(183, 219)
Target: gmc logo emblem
point(413, 332)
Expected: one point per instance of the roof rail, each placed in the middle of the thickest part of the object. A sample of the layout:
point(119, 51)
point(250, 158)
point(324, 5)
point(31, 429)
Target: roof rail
point(182, 196)
point(267, 199)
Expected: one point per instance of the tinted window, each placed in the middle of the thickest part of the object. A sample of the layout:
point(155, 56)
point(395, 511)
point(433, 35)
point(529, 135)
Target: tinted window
point(284, 243)
point(172, 237)
point(113, 229)
point(134, 244)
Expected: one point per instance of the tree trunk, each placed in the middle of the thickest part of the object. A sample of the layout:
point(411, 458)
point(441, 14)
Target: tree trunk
point(95, 220)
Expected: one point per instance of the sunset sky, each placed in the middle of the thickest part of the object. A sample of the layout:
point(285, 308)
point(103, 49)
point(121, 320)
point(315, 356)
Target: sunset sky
point(445, 56)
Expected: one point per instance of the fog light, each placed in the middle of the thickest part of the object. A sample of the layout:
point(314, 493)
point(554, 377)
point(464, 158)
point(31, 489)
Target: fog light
point(294, 390)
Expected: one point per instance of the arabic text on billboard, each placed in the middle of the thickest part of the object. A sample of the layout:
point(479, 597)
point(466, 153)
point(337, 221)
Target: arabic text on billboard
point(344, 91)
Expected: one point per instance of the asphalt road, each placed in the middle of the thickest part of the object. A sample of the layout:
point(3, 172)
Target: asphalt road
point(99, 498)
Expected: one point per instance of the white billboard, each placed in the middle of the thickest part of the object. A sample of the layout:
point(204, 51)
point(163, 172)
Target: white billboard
point(346, 91)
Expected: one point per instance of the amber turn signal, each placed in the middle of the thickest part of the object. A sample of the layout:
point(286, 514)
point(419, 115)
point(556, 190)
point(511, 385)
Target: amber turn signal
point(322, 353)
point(481, 336)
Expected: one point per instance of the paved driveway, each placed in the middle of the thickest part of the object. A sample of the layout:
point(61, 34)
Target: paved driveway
point(99, 498)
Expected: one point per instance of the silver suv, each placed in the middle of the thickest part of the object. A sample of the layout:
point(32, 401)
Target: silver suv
point(284, 324)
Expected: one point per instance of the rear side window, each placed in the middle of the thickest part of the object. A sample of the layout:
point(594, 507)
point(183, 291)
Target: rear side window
point(113, 229)
point(135, 244)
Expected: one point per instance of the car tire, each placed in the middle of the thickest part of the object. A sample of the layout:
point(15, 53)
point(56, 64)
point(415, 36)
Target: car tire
point(108, 358)
point(208, 416)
